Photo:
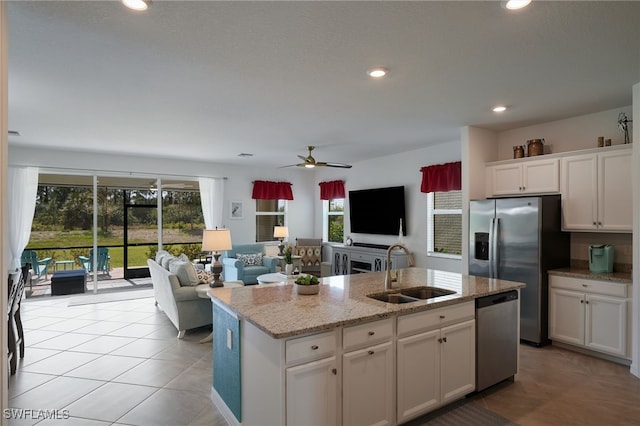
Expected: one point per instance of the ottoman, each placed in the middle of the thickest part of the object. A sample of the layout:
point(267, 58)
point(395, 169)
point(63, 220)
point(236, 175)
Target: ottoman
point(68, 282)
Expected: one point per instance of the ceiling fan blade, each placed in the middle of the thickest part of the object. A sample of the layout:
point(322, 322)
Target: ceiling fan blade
point(340, 165)
point(302, 157)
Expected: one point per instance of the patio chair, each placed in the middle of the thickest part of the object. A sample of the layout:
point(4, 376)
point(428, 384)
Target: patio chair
point(104, 261)
point(39, 266)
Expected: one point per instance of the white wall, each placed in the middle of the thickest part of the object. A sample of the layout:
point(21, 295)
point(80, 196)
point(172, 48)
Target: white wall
point(396, 170)
point(3, 206)
point(567, 135)
point(635, 304)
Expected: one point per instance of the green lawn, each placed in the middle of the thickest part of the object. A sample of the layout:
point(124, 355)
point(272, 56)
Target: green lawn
point(46, 241)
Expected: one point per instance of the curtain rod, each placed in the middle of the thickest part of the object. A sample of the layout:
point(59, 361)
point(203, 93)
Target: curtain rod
point(112, 172)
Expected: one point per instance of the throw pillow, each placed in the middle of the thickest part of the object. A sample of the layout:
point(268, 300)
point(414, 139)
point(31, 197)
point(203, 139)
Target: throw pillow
point(166, 260)
point(185, 272)
point(204, 277)
point(160, 255)
point(183, 257)
point(250, 259)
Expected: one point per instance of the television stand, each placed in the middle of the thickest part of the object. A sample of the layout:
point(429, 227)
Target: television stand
point(360, 258)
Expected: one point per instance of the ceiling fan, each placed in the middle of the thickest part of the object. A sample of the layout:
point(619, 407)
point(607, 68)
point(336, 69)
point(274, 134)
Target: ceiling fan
point(310, 162)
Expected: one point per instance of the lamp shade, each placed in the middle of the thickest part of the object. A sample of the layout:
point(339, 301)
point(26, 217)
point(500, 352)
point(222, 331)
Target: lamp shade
point(216, 240)
point(280, 231)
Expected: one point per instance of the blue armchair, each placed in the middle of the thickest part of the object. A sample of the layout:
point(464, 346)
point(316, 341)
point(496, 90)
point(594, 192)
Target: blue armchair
point(235, 269)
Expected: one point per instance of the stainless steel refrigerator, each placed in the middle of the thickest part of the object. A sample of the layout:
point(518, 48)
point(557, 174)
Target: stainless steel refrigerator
point(519, 239)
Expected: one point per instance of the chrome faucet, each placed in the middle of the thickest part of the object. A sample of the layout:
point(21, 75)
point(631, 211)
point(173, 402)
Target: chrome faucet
point(388, 279)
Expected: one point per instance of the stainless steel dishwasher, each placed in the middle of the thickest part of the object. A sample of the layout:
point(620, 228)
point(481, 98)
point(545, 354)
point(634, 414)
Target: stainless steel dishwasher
point(496, 338)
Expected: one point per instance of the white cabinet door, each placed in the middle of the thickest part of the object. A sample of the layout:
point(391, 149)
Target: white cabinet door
point(418, 374)
point(506, 179)
point(566, 316)
point(615, 206)
point(579, 192)
point(541, 176)
point(312, 392)
point(368, 386)
point(606, 324)
point(458, 360)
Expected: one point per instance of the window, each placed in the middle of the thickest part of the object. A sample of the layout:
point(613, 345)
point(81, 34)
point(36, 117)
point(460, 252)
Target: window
point(269, 213)
point(444, 224)
point(333, 220)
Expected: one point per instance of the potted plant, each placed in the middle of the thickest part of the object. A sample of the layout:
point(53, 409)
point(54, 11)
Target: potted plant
point(288, 260)
point(307, 284)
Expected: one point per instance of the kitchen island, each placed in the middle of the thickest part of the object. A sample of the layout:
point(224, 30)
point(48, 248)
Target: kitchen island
point(341, 357)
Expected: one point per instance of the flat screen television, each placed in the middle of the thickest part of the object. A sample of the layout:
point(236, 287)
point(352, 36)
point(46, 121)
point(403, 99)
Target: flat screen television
point(377, 211)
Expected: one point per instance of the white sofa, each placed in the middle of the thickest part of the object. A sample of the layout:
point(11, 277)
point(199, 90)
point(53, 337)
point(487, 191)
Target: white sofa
point(182, 304)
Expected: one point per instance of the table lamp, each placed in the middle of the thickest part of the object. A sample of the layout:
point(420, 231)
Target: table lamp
point(280, 232)
point(216, 240)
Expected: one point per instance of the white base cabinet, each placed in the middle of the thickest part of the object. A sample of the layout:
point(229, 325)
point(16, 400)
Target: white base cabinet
point(435, 366)
point(590, 314)
point(311, 393)
point(383, 372)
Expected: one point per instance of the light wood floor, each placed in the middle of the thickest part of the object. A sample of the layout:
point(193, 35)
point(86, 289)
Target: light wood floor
point(556, 386)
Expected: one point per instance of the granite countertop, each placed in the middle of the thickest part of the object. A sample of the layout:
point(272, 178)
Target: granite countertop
point(280, 312)
point(585, 273)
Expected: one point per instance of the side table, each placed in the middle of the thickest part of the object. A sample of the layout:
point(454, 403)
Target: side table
point(203, 291)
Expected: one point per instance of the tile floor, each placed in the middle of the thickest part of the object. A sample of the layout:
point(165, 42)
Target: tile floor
point(114, 363)
point(120, 363)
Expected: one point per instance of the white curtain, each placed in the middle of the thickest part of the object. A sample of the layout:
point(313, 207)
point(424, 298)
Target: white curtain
point(21, 203)
point(212, 198)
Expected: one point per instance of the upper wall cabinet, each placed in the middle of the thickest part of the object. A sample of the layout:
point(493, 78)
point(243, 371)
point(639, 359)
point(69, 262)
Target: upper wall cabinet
point(596, 191)
point(524, 177)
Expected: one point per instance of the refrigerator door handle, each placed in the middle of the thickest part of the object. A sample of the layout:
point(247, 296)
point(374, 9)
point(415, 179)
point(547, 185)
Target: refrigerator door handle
point(491, 248)
point(496, 250)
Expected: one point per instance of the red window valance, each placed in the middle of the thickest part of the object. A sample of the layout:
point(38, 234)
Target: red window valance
point(332, 190)
point(265, 190)
point(442, 177)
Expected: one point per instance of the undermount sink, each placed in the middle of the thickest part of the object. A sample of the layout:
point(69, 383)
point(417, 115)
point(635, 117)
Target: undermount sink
point(409, 295)
point(426, 292)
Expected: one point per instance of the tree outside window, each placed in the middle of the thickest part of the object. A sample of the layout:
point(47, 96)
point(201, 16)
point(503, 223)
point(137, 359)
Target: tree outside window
point(333, 223)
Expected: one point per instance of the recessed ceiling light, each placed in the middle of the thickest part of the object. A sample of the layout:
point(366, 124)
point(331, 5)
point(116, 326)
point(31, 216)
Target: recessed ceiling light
point(499, 108)
point(516, 4)
point(137, 4)
point(377, 72)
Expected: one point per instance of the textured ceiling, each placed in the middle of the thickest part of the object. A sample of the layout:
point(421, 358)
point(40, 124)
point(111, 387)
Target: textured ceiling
point(210, 79)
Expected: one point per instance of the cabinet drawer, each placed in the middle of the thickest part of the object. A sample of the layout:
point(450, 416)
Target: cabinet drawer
point(367, 334)
point(308, 348)
point(589, 286)
point(361, 256)
point(435, 318)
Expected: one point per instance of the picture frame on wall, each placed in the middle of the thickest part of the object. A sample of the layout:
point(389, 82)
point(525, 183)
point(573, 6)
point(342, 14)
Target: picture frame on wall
point(236, 210)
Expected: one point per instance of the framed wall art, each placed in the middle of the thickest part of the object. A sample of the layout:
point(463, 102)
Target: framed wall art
point(236, 210)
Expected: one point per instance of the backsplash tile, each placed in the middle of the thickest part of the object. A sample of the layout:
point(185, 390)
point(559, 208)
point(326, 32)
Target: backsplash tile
point(622, 244)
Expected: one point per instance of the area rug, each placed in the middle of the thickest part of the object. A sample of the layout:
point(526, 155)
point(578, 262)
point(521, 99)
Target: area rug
point(115, 296)
point(462, 413)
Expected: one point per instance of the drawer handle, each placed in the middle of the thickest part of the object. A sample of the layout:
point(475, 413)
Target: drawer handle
point(371, 333)
point(314, 347)
point(371, 352)
point(334, 371)
point(442, 340)
point(441, 316)
point(584, 285)
point(581, 301)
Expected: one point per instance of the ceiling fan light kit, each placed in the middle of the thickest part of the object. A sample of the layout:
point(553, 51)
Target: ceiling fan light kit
point(309, 162)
